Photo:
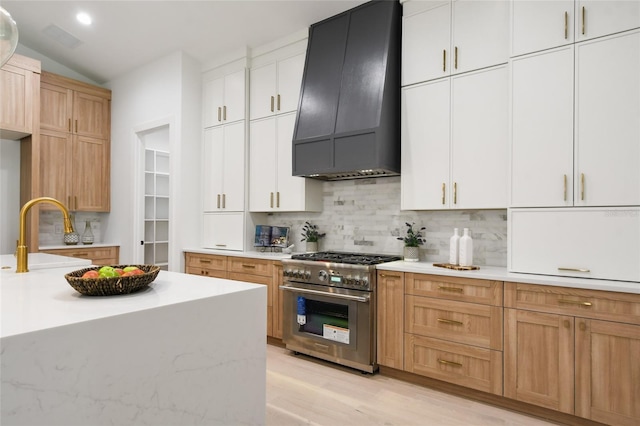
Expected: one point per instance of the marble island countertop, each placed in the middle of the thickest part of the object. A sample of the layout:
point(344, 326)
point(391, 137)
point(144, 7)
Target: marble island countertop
point(186, 350)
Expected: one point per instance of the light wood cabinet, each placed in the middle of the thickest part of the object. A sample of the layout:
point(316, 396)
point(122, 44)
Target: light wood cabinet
point(455, 142)
point(257, 271)
point(98, 255)
point(224, 99)
point(275, 87)
point(390, 319)
point(223, 168)
point(449, 338)
point(74, 144)
point(271, 184)
point(442, 38)
point(573, 350)
point(20, 100)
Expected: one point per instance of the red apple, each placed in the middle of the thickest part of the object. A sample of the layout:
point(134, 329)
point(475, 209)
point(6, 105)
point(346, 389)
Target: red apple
point(91, 274)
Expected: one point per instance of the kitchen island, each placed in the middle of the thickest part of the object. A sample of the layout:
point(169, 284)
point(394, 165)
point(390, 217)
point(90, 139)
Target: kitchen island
point(185, 350)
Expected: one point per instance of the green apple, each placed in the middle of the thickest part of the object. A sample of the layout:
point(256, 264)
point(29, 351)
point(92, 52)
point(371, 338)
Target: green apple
point(130, 268)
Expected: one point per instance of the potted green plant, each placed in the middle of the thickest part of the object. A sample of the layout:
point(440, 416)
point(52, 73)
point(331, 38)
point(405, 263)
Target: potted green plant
point(311, 235)
point(412, 241)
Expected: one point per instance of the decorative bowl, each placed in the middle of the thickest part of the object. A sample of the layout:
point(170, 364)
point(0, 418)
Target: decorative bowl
point(112, 285)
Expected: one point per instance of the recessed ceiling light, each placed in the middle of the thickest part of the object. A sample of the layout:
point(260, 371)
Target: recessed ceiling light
point(84, 18)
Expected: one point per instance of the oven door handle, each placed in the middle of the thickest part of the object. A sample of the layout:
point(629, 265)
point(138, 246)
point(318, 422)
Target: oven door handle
point(363, 299)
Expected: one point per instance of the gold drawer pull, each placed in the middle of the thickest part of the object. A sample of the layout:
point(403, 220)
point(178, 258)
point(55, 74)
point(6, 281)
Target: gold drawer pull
point(205, 261)
point(574, 302)
point(79, 254)
point(221, 245)
point(448, 321)
point(244, 265)
point(451, 363)
point(574, 269)
point(453, 289)
point(390, 276)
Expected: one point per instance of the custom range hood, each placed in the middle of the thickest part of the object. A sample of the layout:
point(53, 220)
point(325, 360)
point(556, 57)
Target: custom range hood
point(348, 121)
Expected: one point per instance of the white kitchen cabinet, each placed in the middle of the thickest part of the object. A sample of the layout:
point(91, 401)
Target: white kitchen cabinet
point(223, 168)
point(447, 38)
point(594, 159)
point(539, 25)
point(607, 134)
point(223, 231)
point(599, 243)
point(271, 184)
point(542, 129)
point(224, 99)
point(597, 18)
point(275, 87)
point(454, 142)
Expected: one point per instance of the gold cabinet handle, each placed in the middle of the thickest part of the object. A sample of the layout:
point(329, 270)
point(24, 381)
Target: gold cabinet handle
point(271, 199)
point(455, 192)
point(221, 245)
point(451, 363)
point(219, 114)
point(390, 276)
point(452, 289)
point(218, 200)
point(79, 254)
point(455, 58)
point(75, 202)
point(272, 104)
point(224, 113)
point(566, 25)
point(76, 126)
point(444, 60)
point(69, 124)
point(205, 261)
point(244, 265)
point(574, 302)
point(582, 186)
point(224, 201)
point(565, 188)
point(574, 269)
point(278, 102)
point(278, 196)
point(443, 191)
point(448, 321)
point(583, 19)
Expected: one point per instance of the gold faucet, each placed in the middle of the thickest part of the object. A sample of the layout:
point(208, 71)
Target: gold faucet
point(22, 250)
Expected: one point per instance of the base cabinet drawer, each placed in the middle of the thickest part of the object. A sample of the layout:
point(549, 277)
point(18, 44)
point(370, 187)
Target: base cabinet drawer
point(206, 261)
point(463, 365)
point(206, 272)
point(97, 255)
point(467, 323)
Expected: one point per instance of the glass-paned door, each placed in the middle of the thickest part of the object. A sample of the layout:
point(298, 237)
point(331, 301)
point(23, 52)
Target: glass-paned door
point(156, 208)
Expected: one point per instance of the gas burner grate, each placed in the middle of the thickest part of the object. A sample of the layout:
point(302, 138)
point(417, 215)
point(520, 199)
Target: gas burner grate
point(347, 258)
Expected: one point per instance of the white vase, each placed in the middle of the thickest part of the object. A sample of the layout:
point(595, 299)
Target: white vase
point(411, 254)
point(466, 249)
point(454, 244)
point(312, 246)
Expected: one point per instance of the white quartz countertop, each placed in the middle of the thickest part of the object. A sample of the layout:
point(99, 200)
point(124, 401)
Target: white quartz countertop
point(501, 274)
point(252, 254)
point(42, 298)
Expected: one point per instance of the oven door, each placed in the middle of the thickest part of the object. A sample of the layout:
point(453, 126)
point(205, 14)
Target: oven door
point(331, 323)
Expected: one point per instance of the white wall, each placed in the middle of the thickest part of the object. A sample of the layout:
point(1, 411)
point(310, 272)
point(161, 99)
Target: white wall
point(165, 90)
point(48, 64)
point(9, 194)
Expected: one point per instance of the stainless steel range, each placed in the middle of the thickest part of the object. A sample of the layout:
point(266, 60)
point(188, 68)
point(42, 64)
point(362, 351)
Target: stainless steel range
point(329, 306)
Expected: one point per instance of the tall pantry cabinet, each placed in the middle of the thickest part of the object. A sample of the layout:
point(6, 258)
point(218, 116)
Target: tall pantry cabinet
point(223, 158)
point(75, 148)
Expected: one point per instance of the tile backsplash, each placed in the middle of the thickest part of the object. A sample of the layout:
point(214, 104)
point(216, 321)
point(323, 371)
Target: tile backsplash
point(364, 216)
point(51, 230)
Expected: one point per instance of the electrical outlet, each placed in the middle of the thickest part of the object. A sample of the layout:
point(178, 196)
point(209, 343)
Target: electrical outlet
point(57, 229)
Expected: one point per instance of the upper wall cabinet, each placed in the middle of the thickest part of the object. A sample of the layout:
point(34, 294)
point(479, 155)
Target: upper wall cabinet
point(592, 159)
point(539, 25)
point(224, 99)
point(455, 142)
point(19, 85)
point(442, 38)
point(275, 88)
point(79, 109)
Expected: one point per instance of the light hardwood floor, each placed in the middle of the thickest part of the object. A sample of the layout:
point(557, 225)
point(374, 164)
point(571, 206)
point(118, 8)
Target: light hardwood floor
point(305, 391)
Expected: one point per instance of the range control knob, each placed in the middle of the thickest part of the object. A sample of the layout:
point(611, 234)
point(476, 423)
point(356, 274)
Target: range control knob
point(365, 282)
point(286, 272)
point(307, 275)
point(322, 275)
